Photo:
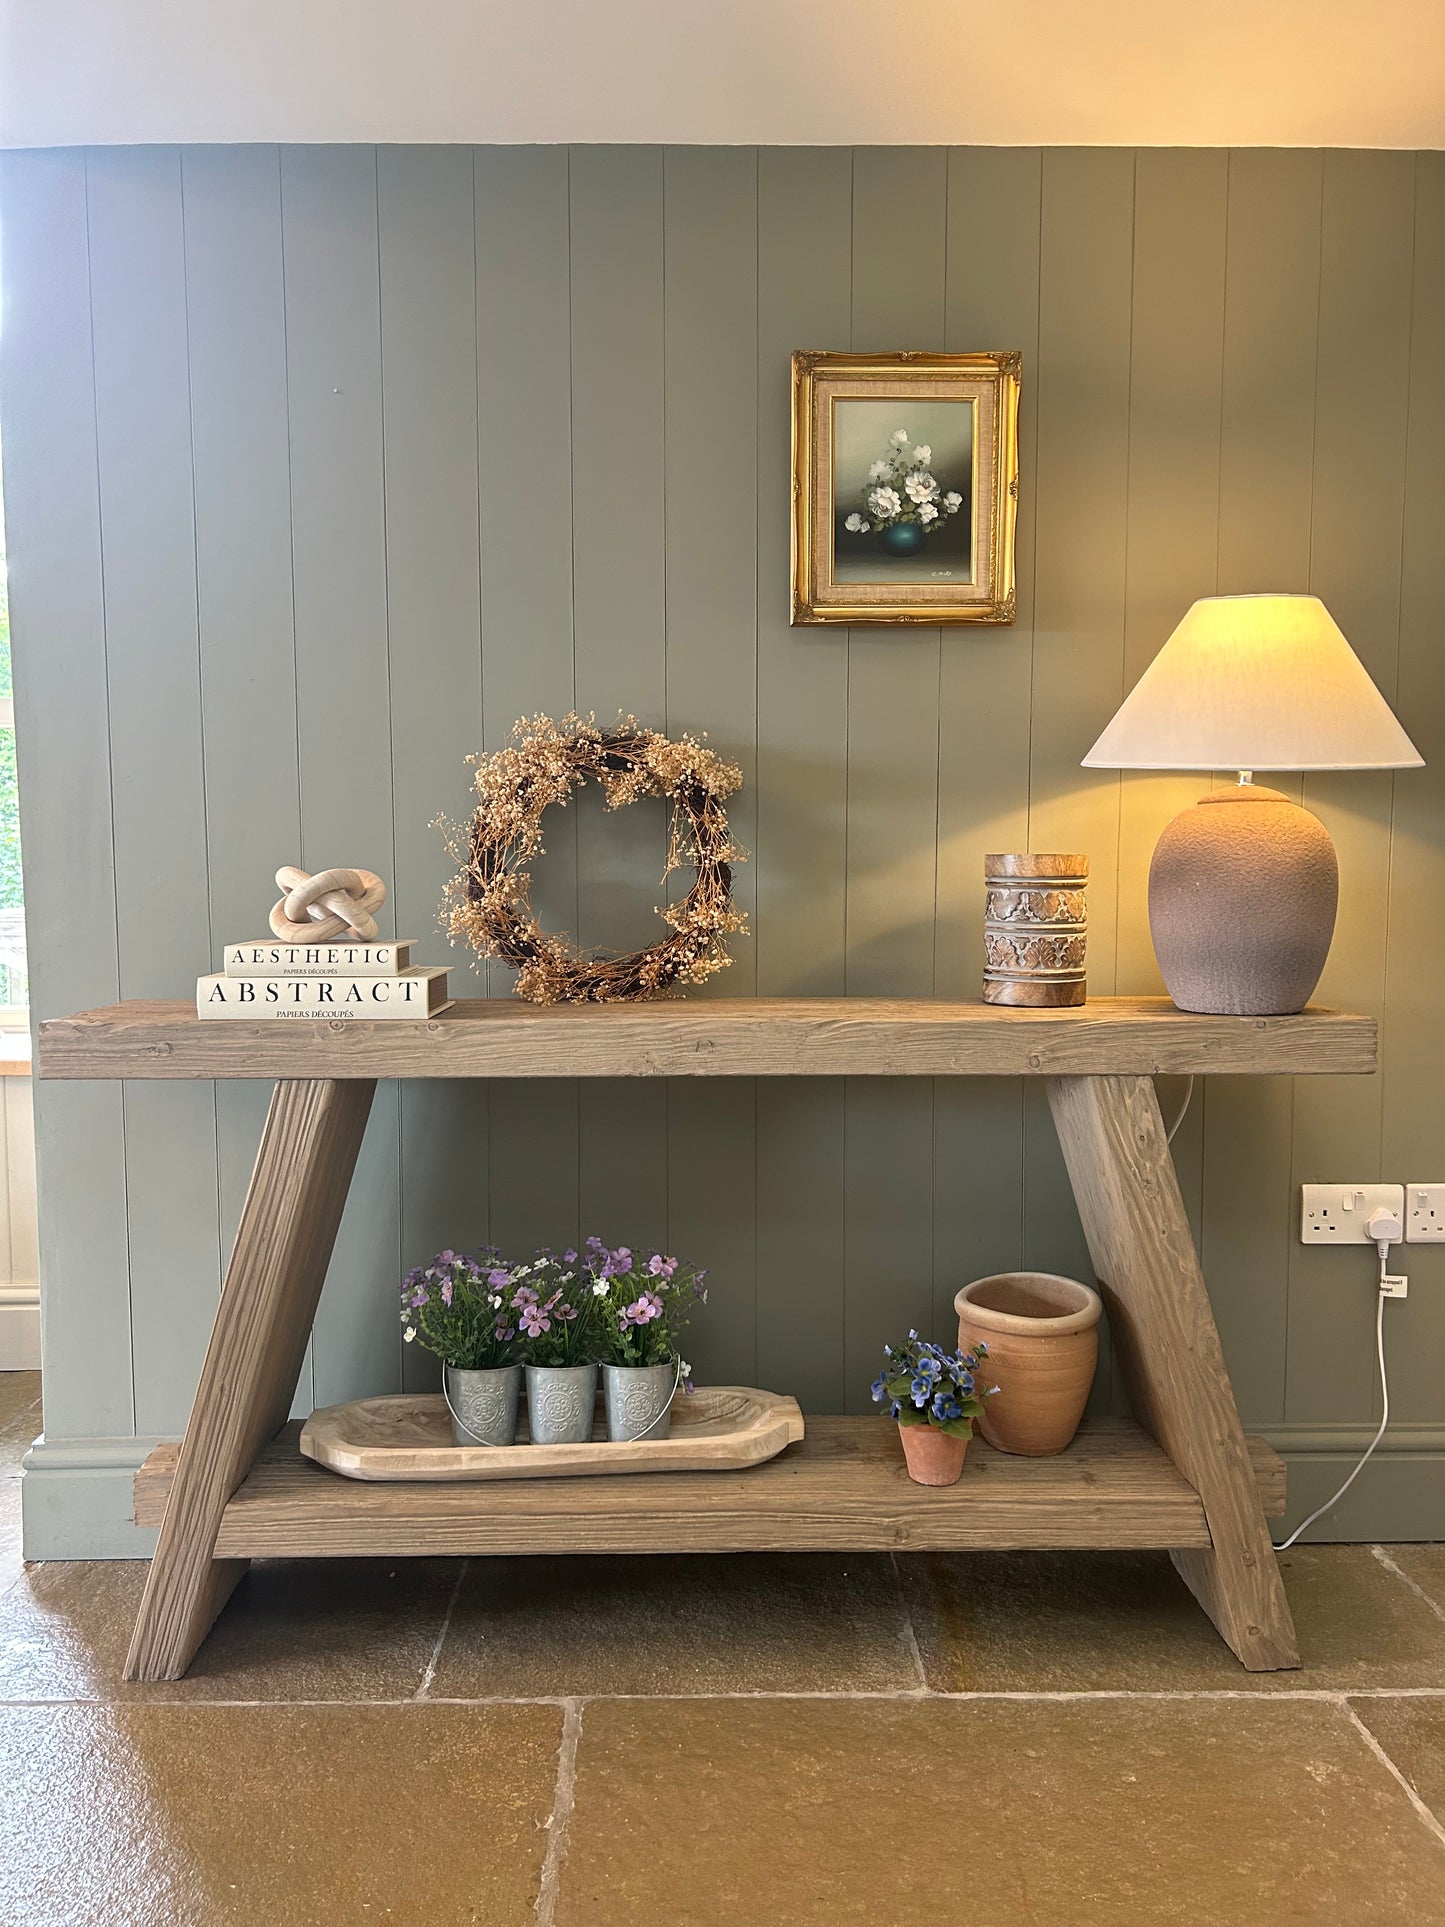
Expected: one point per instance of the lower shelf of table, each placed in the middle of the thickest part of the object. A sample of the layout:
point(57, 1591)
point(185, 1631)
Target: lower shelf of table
point(843, 1488)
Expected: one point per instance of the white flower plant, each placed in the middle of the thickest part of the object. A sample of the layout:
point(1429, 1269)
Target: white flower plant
point(902, 487)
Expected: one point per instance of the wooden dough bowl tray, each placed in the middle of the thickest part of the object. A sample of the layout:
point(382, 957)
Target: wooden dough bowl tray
point(409, 1436)
point(842, 1488)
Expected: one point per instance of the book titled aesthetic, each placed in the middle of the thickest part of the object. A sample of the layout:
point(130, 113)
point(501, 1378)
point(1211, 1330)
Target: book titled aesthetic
point(266, 958)
point(404, 994)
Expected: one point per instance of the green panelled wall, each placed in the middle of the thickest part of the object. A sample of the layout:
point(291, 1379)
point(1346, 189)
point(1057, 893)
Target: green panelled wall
point(325, 464)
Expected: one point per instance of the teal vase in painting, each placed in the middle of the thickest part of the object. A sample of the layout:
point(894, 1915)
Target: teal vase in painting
point(903, 538)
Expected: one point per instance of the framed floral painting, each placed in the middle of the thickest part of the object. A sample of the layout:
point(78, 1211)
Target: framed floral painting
point(905, 487)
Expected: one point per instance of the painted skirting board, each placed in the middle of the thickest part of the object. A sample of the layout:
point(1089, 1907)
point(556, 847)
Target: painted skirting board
point(77, 1496)
point(19, 1328)
point(76, 1499)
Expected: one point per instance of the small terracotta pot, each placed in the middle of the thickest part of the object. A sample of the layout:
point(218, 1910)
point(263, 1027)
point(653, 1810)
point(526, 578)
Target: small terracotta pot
point(934, 1457)
point(1042, 1333)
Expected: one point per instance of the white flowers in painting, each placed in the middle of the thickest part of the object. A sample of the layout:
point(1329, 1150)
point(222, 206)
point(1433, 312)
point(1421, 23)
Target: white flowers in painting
point(902, 487)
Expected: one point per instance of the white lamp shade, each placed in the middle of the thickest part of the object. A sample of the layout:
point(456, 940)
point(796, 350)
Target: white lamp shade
point(1255, 682)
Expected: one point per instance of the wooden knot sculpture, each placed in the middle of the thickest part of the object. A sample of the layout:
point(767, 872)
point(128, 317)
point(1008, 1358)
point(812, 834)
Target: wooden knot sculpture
point(330, 904)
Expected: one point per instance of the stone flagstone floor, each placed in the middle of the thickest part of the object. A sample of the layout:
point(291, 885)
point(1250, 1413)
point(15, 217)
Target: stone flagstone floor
point(1024, 1740)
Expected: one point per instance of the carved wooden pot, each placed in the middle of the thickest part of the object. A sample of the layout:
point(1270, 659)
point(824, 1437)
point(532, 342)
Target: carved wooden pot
point(1035, 929)
point(934, 1457)
point(1042, 1333)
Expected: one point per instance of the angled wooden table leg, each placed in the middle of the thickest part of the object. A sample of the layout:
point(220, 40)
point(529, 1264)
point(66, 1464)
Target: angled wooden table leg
point(278, 1265)
point(1117, 1153)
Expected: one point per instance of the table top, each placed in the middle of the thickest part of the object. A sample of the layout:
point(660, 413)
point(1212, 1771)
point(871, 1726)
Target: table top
point(709, 1037)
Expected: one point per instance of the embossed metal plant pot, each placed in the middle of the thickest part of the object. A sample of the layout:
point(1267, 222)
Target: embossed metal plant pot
point(483, 1405)
point(639, 1400)
point(561, 1400)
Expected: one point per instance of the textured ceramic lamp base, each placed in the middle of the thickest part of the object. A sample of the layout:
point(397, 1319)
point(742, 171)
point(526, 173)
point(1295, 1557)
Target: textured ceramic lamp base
point(1242, 897)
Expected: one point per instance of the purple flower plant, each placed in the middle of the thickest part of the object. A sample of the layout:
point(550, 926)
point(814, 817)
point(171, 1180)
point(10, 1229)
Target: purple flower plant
point(642, 1299)
point(454, 1306)
point(643, 1311)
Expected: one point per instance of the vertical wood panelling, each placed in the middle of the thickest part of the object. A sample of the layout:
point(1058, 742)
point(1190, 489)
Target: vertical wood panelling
point(333, 344)
point(992, 301)
point(143, 439)
point(524, 401)
point(619, 567)
point(326, 466)
point(139, 344)
point(710, 297)
point(1082, 395)
point(53, 532)
point(710, 302)
point(241, 473)
point(427, 221)
point(1367, 244)
point(1271, 320)
point(1172, 537)
point(804, 297)
point(1413, 1137)
point(900, 229)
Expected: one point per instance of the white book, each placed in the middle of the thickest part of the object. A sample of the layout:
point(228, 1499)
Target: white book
point(265, 957)
point(416, 994)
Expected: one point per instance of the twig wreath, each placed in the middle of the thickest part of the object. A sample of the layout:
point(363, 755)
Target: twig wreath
point(489, 905)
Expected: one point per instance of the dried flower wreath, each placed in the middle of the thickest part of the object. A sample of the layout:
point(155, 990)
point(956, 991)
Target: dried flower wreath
point(488, 903)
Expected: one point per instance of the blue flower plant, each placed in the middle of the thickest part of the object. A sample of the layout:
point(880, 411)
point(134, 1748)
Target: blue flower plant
point(921, 1384)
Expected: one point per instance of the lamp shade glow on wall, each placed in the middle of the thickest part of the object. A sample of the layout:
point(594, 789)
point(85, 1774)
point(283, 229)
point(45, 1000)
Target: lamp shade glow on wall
point(1244, 886)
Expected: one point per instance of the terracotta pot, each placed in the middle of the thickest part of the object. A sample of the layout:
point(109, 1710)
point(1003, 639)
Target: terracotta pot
point(934, 1457)
point(1042, 1334)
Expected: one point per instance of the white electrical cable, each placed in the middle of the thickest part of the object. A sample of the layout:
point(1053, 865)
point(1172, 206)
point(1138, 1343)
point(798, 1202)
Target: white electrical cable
point(1383, 1247)
point(1329, 1504)
point(1183, 1108)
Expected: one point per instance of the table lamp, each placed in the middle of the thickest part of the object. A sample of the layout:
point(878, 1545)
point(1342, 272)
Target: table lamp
point(1243, 887)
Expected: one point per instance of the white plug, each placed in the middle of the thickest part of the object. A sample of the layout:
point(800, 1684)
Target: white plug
point(1384, 1227)
point(1386, 1230)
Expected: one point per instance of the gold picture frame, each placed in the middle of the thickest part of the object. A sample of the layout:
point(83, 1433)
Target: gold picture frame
point(904, 534)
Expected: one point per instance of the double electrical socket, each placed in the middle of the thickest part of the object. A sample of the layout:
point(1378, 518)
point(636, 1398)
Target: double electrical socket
point(1339, 1214)
point(1425, 1214)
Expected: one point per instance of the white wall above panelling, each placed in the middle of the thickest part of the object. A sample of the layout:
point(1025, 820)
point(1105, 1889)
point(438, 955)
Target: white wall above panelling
point(1282, 73)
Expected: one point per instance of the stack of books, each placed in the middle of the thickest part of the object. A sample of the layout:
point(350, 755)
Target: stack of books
point(321, 980)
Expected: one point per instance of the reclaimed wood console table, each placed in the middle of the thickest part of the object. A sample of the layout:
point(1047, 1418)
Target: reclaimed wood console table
point(1184, 1477)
